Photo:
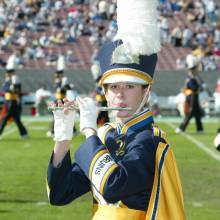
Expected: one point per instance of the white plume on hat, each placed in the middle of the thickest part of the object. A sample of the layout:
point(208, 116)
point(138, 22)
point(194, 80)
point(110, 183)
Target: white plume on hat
point(64, 81)
point(191, 61)
point(11, 62)
point(15, 79)
point(138, 29)
point(61, 64)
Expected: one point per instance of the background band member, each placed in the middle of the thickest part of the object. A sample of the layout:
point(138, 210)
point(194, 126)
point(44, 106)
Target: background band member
point(12, 101)
point(192, 89)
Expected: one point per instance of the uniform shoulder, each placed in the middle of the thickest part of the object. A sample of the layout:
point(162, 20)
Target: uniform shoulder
point(102, 131)
point(153, 134)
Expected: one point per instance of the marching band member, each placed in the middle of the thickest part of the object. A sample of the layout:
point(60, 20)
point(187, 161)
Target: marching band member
point(192, 90)
point(12, 101)
point(128, 165)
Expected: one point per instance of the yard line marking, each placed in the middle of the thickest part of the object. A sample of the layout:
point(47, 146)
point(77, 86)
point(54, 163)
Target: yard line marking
point(40, 128)
point(41, 203)
point(9, 131)
point(197, 143)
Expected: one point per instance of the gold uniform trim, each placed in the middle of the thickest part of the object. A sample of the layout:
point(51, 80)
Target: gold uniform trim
point(59, 95)
point(109, 212)
point(170, 199)
point(107, 174)
point(135, 121)
point(10, 96)
point(104, 134)
point(127, 72)
point(48, 189)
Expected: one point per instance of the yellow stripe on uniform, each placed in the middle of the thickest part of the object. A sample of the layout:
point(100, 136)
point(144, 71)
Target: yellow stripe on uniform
point(48, 189)
point(110, 212)
point(99, 154)
point(135, 121)
point(166, 201)
point(156, 131)
point(107, 174)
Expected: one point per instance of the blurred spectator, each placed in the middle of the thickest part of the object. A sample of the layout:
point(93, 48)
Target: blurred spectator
point(164, 29)
point(176, 36)
point(35, 28)
point(187, 37)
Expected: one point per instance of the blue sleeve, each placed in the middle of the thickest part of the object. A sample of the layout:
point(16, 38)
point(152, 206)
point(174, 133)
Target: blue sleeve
point(115, 180)
point(66, 182)
point(6, 87)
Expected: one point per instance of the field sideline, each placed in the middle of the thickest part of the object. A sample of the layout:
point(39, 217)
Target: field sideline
point(23, 166)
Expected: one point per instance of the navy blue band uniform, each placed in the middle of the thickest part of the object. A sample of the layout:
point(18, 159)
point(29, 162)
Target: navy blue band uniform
point(192, 105)
point(12, 102)
point(60, 91)
point(116, 166)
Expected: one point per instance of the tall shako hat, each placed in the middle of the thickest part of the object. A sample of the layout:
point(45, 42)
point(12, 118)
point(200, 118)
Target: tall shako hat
point(191, 61)
point(132, 56)
point(61, 65)
point(11, 63)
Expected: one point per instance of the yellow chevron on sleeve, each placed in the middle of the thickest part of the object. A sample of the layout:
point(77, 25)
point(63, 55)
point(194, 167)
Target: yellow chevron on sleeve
point(107, 174)
point(99, 154)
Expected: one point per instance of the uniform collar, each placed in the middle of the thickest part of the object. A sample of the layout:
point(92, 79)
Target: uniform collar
point(138, 121)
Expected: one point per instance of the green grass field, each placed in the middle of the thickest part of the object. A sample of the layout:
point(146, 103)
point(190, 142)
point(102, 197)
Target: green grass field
point(23, 166)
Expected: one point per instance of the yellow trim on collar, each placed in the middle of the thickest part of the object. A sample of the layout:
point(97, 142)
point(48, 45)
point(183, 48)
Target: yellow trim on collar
point(127, 71)
point(135, 121)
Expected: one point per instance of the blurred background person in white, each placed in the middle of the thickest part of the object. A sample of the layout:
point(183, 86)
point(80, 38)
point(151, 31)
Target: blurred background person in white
point(42, 96)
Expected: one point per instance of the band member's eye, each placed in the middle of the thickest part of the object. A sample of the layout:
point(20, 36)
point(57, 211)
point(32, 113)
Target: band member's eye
point(130, 86)
point(113, 86)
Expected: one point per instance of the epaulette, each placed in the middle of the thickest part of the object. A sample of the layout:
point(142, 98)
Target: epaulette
point(158, 133)
point(102, 131)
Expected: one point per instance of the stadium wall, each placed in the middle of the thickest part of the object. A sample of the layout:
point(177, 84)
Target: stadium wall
point(168, 83)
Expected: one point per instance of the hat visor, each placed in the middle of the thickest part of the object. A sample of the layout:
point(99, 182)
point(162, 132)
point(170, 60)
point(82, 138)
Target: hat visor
point(123, 78)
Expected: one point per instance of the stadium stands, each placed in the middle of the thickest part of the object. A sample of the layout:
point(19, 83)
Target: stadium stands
point(41, 30)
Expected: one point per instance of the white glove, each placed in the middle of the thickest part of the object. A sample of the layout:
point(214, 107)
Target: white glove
point(88, 113)
point(63, 125)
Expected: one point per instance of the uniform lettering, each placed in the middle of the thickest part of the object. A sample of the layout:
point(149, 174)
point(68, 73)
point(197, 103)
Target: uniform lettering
point(102, 163)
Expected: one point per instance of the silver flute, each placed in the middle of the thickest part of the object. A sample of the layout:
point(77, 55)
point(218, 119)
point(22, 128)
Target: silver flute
point(54, 108)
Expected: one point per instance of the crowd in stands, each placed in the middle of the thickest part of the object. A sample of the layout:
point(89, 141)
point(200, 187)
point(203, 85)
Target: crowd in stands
point(194, 25)
point(43, 30)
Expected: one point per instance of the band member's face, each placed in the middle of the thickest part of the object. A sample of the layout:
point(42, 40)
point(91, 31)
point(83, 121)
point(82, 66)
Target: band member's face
point(124, 95)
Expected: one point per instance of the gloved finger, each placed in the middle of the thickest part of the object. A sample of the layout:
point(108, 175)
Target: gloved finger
point(79, 101)
point(91, 103)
